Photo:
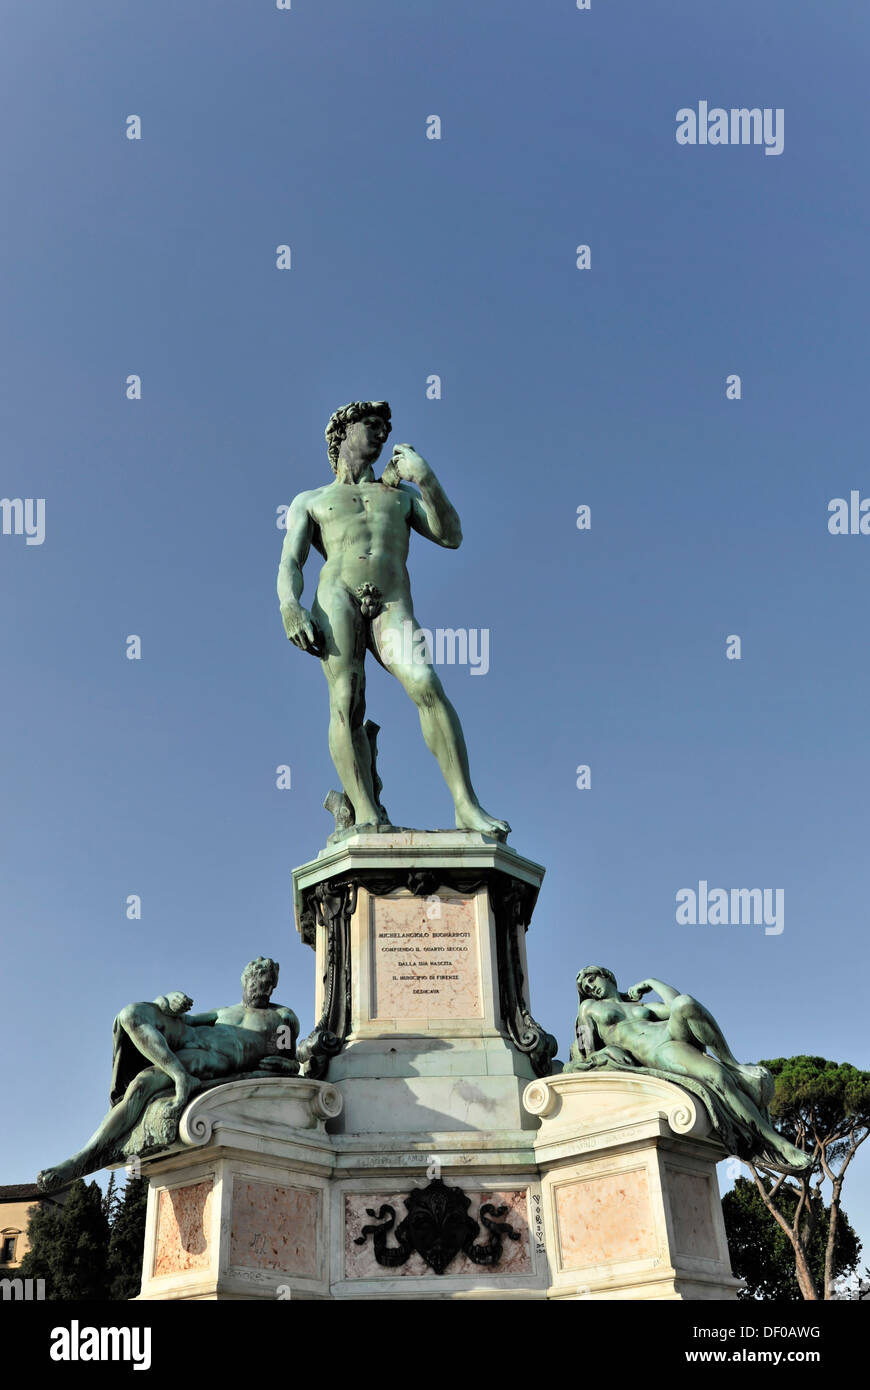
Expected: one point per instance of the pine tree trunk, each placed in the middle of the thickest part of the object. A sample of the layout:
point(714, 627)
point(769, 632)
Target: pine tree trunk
point(806, 1283)
point(830, 1248)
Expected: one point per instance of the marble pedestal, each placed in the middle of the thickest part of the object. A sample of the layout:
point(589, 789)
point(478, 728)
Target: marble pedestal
point(422, 995)
point(614, 1197)
point(424, 1026)
point(630, 1199)
point(239, 1208)
point(428, 1154)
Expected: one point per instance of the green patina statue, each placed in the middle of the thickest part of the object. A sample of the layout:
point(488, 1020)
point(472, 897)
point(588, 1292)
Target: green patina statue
point(159, 1047)
point(362, 526)
point(670, 1040)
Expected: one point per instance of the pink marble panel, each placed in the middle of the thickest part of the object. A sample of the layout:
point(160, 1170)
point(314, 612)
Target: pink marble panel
point(690, 1197)
point(605, 1220)
point(360, 1262)
point(275, 1228)
point(425, 967)
point(183, 1227)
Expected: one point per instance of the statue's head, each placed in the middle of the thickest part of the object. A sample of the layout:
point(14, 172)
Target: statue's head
point(259, 978)
point(596, 982)
point(364, 424)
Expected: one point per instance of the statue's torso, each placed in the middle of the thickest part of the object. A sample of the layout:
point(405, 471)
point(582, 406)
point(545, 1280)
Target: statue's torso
point(365, 532)
point(630, 1026)
point(247, 1033)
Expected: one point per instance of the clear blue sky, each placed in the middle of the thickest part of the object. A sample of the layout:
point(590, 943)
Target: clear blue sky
point(560, 387)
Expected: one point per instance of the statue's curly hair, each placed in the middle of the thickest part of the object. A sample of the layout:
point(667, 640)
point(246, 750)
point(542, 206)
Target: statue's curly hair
point(346, 415)
point(263, 965)
point(588, 972)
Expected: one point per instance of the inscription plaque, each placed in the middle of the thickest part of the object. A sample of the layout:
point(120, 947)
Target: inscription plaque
point(426, 958)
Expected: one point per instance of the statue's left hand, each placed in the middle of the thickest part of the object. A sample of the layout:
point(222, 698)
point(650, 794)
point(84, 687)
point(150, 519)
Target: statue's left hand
point(406, 464)
point(638, 990)
point(286, 1066)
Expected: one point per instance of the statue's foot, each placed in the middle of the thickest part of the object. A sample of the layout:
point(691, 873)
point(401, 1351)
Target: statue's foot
point(166, 1126)
point(473, 817)
point(184, 1089)
point(52, 1179)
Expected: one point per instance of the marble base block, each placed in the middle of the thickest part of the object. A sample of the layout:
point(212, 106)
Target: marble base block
point(630, 1198)
point(422, 981)
point(239, 1208)
point(427, 1154)
point(520, 1272)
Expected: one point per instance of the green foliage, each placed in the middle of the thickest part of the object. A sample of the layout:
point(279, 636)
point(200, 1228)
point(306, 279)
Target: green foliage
point(822, 1107)
point(763, 1255)
point(124, 1264)
point(89, 1249)
point(111, 1199)
point(819, 1100)
point(68, 1246)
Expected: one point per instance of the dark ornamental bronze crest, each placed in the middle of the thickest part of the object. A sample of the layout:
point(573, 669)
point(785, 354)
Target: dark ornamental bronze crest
point(438, 1227)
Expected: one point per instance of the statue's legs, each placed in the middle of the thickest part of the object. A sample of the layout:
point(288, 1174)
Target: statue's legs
point(683, 1059)
point(689, 1021)
point(343, 627)
point(438, 719)
point(144, 1023)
